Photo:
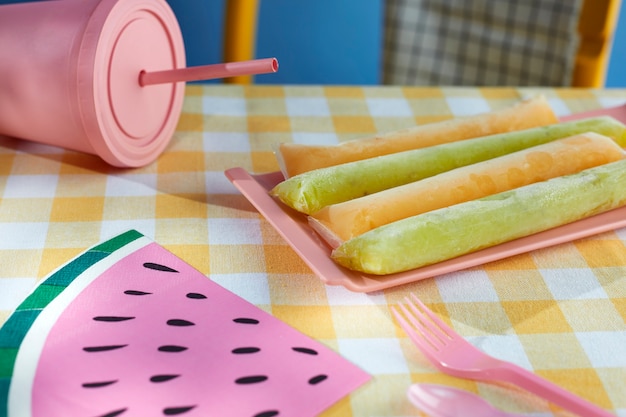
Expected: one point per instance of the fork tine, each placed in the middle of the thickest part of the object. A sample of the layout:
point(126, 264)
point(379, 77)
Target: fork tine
point(425, 334)
point(426, 348)
point(434, 324)
point(428, 332)
point(410, 329)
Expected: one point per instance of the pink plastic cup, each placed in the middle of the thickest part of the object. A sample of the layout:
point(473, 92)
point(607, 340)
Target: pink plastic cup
point(69, 76)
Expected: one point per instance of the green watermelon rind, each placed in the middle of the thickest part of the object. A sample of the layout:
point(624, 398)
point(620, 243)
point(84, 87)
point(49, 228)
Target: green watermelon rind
point(17, 327)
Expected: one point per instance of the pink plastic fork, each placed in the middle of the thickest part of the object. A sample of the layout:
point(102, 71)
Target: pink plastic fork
point(455, 356)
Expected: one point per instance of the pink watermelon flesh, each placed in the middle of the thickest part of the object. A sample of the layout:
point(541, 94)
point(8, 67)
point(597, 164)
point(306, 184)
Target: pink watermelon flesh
point(151, 336)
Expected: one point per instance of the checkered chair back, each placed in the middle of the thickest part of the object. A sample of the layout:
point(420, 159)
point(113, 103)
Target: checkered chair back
point(481, 42)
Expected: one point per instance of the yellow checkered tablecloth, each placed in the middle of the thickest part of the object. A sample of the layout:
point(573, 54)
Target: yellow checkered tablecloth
point(559, 311)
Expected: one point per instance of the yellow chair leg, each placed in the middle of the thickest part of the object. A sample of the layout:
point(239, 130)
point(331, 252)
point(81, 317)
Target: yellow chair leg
point(596, 28)
point(240, 34)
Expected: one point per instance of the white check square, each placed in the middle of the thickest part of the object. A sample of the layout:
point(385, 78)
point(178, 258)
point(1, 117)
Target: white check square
point(134, 185)
point(467, 106)
point(225, 142)
point(307, 106)
point(234, 232)
point(223, 106)
point(252, 287)
point(375, 356)
point(559, 107)
point(339, 296)
point(505, 347)
point(604, 349)
point(466, 287)
point(14, 291)
point(30, 186)
point(573, 284)
point(15, 236)
point(389, 107)
point(217, 183)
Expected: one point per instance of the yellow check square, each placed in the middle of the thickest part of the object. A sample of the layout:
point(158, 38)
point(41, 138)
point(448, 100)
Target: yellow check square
point(612, 253)
point(77, 209)
point(536, 316)
point(500, 93)
point(344, 92)
point(6, 164)
point(582, 382)
point(29, 259)
point(266, 123)
point(180, 162)
point(314, 321)
point(424, 93)
point(361, 125)
point(279, 260)
point(226, 259)
point(378, 321)
point(195, 255)
point(170, 206)
point(190, 122)
point(264, 162)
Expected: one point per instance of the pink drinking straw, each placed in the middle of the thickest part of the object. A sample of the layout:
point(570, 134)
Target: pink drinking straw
point(209, 72)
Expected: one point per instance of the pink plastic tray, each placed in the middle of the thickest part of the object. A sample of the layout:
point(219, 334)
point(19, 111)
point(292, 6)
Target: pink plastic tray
point(293, 227)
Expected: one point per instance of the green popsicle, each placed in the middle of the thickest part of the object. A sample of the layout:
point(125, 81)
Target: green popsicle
point(467, 227)
point(310, 191)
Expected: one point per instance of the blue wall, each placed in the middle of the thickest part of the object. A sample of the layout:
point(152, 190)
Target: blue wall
point(322, 41)
point(616, 76)
point(312, 45)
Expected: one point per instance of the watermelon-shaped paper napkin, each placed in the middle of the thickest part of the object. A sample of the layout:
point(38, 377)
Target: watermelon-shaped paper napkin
point(129, 329)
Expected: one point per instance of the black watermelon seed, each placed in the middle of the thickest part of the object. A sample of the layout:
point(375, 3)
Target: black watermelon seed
point(196, 296)
point(98, 384)
point(172, 348)
point(253, 379)
point(180, 322)
point(245, 320)
point(163, 378)
point(135, 292)
point(174, 411)
point(112, 318)
point(245, 350)
point(270, 413)
point(317, 379)
point(305, 350)
point(103, 348)
point(158, 267)
point(114, 413)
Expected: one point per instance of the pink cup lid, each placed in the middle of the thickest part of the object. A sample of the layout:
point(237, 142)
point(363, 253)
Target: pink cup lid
point(129, 125)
